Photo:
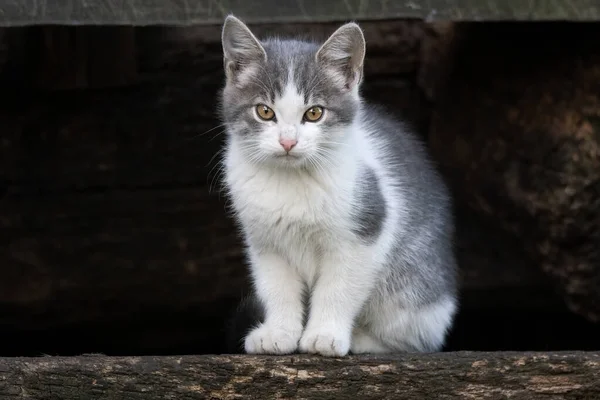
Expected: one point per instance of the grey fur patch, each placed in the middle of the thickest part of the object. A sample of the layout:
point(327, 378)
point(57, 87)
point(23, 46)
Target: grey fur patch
point(422, 261)
point(372, 210)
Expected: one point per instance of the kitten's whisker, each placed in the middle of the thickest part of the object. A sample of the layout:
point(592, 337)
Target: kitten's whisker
point(316, 160)
point(328, 152)
point(321, 79)
point(260, 84)
point(311, 83)
point(217, 177)
point(216, 174)
point(267, 75)
point(217, 153)
point(333, 141)
point(336, 143)
point(208, 131)
point(258, 80)
point(316, 80)
point(216, 135)
point(326, 159)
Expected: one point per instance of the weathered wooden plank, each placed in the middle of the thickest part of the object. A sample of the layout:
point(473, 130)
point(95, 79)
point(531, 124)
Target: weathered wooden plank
point(516, 376)
point(181, 12)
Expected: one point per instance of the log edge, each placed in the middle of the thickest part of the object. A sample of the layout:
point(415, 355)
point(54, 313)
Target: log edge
point(440, 375)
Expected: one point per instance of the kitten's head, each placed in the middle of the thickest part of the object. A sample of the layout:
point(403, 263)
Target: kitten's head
point(288, 102)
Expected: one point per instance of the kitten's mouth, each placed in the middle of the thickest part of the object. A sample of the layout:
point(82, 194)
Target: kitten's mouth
point(288, 156)
point(291, 160)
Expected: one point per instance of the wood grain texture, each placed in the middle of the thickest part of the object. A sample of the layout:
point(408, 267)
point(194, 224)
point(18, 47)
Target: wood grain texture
point(176, 12)
point(516, 376)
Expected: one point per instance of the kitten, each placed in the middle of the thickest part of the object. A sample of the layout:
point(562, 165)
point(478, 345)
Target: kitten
point(343, 215)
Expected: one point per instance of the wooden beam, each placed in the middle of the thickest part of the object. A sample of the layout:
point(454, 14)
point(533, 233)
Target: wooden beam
point(175, 12)
point(464, 375)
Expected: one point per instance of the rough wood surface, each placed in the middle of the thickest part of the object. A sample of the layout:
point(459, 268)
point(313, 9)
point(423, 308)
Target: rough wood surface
point(175, 12)
point(517, 131)
point(515, 376)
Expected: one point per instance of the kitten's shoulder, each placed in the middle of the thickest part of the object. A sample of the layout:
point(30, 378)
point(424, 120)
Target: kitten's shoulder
point(403, 153)
point(385, 128)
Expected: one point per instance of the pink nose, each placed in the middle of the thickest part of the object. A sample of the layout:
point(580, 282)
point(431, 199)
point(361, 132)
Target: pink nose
point(287, 144)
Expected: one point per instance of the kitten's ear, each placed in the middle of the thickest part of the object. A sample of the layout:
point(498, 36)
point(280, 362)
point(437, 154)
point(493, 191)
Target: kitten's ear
point(240, 47)
point(343, 54)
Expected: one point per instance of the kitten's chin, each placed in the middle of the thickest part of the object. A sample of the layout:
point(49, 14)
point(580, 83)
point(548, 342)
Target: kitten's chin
point(281, 160)
point(289, 160)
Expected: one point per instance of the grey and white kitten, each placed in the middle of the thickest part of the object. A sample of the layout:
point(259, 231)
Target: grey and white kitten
point(347, 224)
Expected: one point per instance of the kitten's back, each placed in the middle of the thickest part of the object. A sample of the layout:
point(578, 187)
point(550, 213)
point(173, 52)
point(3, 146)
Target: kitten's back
point(406, 159)
point(426, 220)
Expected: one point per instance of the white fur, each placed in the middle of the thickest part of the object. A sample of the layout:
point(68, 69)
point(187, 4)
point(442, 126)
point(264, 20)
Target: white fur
point(298, 232)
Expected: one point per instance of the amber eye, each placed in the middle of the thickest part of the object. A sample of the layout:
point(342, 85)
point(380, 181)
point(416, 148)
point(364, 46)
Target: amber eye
point(313, 114)
point(265, 112)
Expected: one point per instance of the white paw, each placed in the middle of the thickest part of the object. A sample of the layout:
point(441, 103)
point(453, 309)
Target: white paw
point(267, 340)
point(325, 342)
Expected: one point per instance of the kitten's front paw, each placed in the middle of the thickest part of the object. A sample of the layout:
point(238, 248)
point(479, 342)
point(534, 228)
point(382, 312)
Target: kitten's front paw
point(267, 340)
point(325, 342)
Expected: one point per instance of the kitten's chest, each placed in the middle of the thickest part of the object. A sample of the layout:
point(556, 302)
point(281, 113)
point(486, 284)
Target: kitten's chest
point(277, 201)
point(293, 214)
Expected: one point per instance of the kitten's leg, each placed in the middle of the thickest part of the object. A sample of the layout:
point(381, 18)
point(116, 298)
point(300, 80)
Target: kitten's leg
point(344, 284)
point(363, 342)
point(280, 289)
point(419, 330)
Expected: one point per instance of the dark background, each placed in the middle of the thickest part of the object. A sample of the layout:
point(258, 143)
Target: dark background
point(114, 237)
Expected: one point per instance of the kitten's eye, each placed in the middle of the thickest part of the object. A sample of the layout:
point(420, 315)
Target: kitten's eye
point(264, 112)
point(313, 114)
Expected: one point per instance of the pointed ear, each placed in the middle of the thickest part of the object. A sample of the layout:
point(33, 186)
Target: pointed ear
point(343, 55)
point(240, 47)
